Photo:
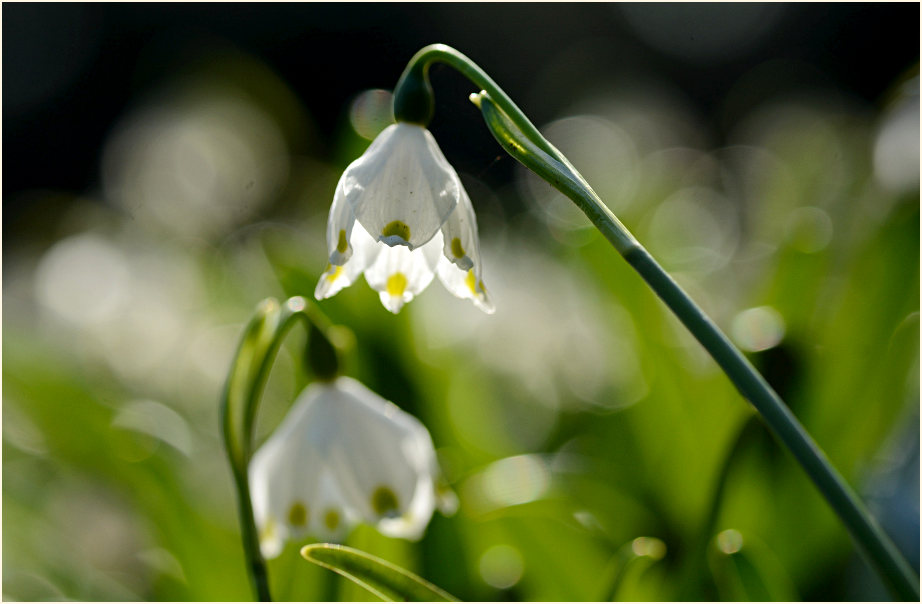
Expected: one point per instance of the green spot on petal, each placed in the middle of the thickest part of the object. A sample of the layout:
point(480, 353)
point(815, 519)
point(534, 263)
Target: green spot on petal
point(384, 501)
point(397, 228)
point(342, 245)
point(456, 248)
point(331, 519)
point(297, 514)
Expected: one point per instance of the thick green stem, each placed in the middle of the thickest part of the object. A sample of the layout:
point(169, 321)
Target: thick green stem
point(526, 144)
point(249, 372)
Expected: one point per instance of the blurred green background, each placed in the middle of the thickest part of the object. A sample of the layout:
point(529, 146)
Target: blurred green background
point(168, 166)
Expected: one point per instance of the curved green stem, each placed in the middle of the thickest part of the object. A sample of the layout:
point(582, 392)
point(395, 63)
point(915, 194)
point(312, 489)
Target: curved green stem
point(262, 338)
point(414, 82)
point(418, 67)
point(519, 137)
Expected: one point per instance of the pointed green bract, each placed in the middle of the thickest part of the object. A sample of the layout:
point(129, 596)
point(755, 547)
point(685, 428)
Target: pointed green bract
point(385, 580)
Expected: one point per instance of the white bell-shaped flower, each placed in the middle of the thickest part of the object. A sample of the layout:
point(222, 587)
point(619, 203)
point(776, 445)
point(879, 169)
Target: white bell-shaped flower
point(341, 456)
point(401, 216)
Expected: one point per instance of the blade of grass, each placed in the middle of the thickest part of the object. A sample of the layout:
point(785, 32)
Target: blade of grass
point(385, 580)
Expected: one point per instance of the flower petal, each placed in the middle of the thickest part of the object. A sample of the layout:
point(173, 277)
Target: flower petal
point(363, 249)
point(402, 189)
point(462, 246)
point(390, 460)
point(285, 471)
point(332, 516)
point(268, 490)
point(465, 284)
point(398, 274)
point(339, 227)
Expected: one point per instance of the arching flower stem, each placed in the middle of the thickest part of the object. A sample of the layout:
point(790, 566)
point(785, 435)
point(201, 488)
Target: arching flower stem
point(414, 83)
point(519, 137)
point(240, 399)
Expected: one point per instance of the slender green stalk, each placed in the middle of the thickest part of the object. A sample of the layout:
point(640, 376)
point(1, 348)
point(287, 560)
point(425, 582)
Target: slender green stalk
point(262, 338)
point(233, 402)
point(521, 139)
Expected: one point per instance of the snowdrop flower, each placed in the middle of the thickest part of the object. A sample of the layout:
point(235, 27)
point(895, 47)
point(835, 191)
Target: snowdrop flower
point(401, 216)
point(341, 456)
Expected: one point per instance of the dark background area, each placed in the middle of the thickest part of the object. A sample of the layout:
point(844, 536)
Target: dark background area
point(70, 70)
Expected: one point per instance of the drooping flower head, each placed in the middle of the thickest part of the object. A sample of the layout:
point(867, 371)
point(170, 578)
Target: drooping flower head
point(344, 455)
point(401, 216)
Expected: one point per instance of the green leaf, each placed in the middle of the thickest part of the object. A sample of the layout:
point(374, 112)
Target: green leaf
point(380, 577)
